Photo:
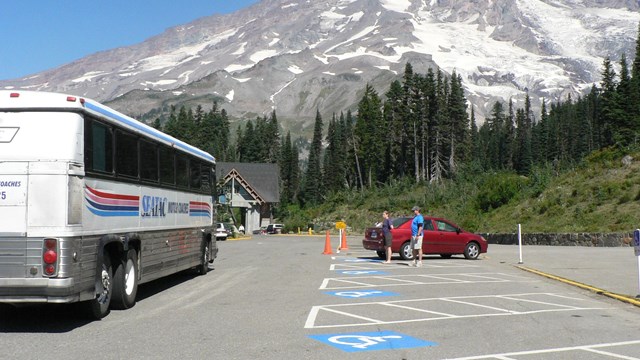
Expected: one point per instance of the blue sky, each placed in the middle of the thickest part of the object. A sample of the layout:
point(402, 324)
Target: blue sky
point(38, 35)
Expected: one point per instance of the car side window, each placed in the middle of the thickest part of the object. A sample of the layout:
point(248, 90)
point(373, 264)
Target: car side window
point(428, 225)
point(444, 226)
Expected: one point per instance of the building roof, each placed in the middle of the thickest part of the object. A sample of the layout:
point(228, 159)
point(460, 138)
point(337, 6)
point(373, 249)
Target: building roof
point(262, 180)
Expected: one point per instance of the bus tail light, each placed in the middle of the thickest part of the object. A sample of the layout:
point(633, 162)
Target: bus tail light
point(50, 257)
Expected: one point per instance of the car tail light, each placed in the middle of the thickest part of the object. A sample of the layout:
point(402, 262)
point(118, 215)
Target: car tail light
point(50, 257)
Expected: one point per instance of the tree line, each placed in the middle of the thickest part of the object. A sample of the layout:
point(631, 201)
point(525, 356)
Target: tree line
point(423, 129)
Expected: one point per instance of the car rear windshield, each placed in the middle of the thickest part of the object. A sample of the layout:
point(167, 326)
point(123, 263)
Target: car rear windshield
point(399, 221)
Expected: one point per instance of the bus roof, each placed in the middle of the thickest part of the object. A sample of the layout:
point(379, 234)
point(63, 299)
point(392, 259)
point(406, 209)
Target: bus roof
point(14, 101)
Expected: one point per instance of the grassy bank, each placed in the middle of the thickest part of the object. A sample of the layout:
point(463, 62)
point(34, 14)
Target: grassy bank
point(601, 194)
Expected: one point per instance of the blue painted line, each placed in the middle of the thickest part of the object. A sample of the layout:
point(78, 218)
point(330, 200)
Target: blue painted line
point(362, 272)
point(360, 294)
point(371, 341)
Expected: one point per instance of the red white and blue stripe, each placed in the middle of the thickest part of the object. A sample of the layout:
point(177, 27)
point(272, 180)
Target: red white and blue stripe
point(197, 208)
point(103, 203)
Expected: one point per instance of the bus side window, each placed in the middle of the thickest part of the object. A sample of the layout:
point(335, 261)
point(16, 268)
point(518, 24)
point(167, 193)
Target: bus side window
point(98, 147)
point(148, 161)
point(206, 174)
point(126, 154)
point(195, 176)
point(167, 166)
point(182, 171)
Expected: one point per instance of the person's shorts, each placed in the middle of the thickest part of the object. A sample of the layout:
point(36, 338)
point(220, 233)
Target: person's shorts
point(416, 242)
point(388, 239)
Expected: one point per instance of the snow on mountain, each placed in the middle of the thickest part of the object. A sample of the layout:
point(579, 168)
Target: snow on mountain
point(302, 55)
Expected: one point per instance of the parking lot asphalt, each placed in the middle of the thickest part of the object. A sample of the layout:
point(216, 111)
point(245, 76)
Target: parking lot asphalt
point(610, 271)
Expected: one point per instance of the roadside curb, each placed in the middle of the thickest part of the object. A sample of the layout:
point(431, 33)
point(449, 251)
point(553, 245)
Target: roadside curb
point(240, 238)
point(623, 298)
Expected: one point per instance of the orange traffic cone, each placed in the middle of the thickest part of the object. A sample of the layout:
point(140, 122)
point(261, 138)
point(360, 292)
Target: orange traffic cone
point(327, 245)
point(343, 244)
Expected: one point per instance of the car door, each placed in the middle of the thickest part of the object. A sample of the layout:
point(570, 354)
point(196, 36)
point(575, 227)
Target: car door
point(430, 240)
point(448, 237)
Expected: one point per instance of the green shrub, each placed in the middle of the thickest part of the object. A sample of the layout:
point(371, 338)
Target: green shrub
point(498, 191)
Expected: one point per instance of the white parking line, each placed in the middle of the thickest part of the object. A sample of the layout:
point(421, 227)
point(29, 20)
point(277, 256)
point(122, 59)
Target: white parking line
point(499, 305)
point(589, 348)
point(375, 265)
point(418, 279)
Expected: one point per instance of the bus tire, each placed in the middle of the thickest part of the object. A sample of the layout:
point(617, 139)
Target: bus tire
point(98, 307)
point(205, 254)
point(125, 282)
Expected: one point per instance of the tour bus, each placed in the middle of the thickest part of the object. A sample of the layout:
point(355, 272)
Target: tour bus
point(94, 203)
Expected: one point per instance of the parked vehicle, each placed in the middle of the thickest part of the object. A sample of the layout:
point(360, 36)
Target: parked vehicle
point(94, 203)
point(261, 231)
point(275, 228)
point(231, 228)
point(441, 237)
point(221, 232)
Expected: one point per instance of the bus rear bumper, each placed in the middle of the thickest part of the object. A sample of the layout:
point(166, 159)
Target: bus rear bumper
point(17, 290)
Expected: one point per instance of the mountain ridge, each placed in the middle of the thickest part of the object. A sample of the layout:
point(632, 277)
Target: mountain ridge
point(299, 56)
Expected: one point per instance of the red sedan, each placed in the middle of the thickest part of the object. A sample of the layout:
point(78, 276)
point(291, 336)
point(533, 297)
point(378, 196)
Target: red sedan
point(441, 237)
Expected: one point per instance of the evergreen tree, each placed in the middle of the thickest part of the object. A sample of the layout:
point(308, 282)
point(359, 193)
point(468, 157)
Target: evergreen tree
point(271, 137)
point(474, 154)
point(460, 145)
point(635, 87)
point(398, 150)
point(312, 193)
point(288, 171)
point(437, 151)
point(624, 92)
point(611, 112)
point(369, 134)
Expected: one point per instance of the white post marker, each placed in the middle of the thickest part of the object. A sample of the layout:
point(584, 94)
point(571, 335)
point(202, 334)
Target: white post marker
point(520, 243)
point(636, 249)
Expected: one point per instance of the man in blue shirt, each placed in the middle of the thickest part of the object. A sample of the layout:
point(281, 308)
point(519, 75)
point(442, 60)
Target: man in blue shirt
point(417, 225)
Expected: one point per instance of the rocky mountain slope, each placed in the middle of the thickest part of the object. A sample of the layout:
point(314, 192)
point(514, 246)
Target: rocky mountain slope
point(299, 55)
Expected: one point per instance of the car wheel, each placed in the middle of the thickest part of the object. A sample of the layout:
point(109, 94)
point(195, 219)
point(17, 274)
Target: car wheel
point(472, 251)
point(381, 254)
point(406, 253)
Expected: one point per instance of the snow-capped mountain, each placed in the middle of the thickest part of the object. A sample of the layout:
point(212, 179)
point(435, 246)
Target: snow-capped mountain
point(302, 55)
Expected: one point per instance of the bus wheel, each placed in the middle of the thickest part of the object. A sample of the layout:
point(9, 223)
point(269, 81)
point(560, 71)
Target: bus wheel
point(99, 307)
point(125, 282)
point(203, 268)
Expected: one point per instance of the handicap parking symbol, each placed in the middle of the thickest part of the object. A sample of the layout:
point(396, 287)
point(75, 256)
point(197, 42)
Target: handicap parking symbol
point(371, 341)
point(353, 294)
